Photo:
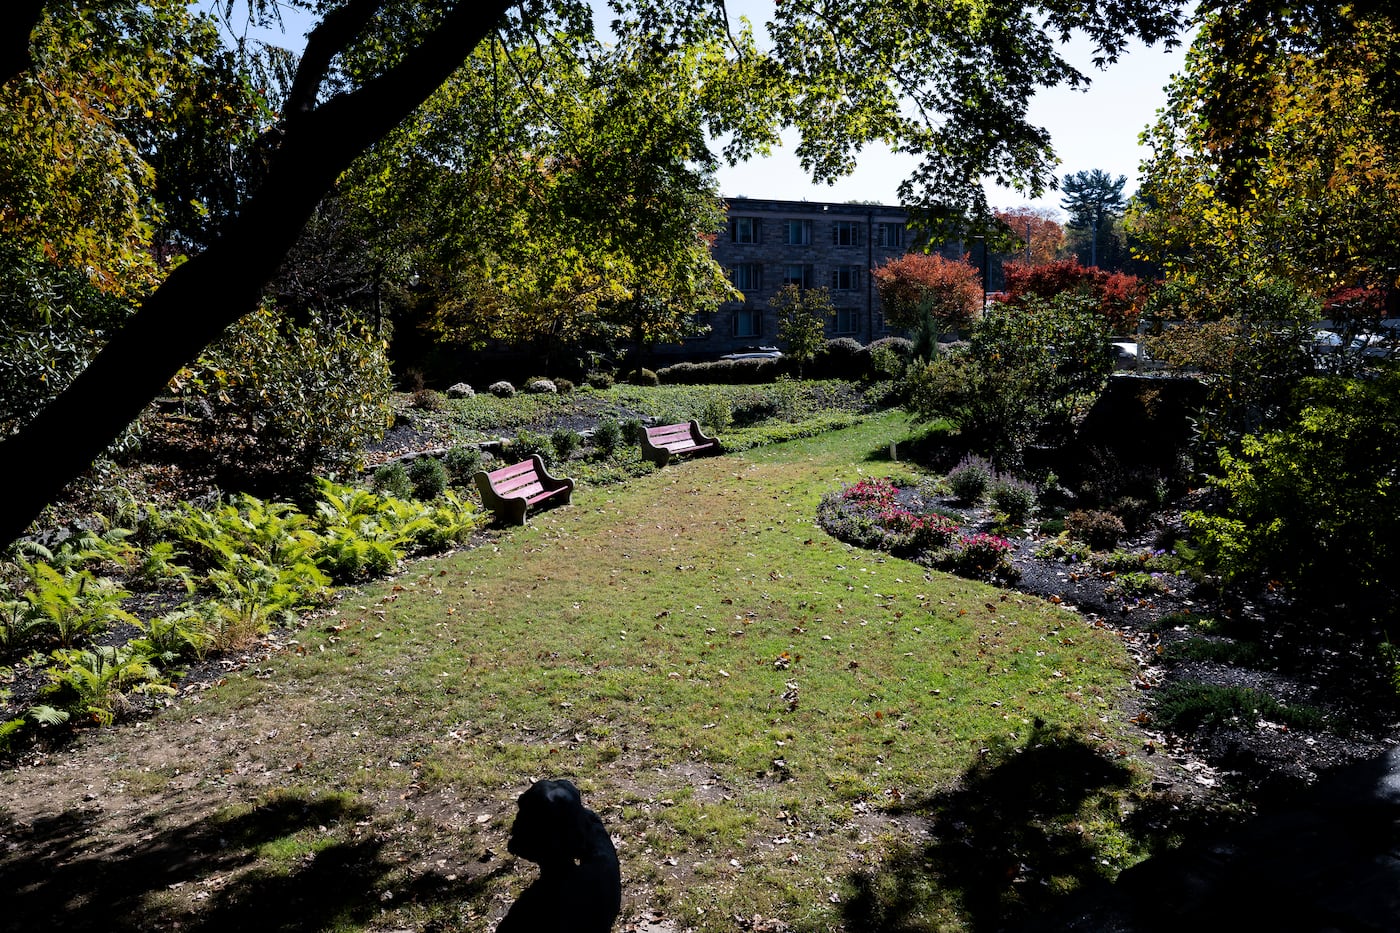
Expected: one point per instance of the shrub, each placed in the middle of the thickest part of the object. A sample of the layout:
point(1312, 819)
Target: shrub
point(527, 444)
point(718, 413)
point(502, 389)
point(565, 441)
point(1100, 530)
point(1064, 550)
point(426, 400)
point(979, 555)
point(889, 357)
point(725, 372)
point(1013, 498)
point(925, 286)
point(607, 435)
point(642, 377)
point(1119, 296)
point(600, 381)
point(428, 476)
point(538, 385)
point(462, 463)
point(970, 479)
point(1021, 379)
point(1314, 504)
point(564, 386)
point(392, 480)
point(1185, 707)
point(632, 431)
point(284, 400)
point(841, 358)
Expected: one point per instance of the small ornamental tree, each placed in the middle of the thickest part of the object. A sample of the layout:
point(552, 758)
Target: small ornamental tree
point(1119, 296)
point(802, 317)
point(920, 286)
point(1040, 234)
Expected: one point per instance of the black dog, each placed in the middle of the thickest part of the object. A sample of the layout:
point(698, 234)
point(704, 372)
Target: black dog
point(580, 888)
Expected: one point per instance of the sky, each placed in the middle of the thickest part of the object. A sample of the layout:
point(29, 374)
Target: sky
point(1093, 129)
point(1097, 128)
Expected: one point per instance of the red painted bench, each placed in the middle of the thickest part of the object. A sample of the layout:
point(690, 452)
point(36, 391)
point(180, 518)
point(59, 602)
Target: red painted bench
point(512, 490)
point(661, 443)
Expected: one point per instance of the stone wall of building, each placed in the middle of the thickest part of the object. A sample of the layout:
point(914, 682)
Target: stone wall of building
point(767, 244)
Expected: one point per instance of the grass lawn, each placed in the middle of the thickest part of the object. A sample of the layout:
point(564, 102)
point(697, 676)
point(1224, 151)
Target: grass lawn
point(782, 732)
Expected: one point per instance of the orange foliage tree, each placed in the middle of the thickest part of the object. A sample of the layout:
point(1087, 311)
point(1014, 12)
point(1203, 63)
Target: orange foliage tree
point(925, 284)
point(1038, 227)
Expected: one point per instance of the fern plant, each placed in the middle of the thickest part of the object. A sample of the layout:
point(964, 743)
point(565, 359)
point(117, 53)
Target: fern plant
point(159, 564)
point(254, 594)
point(94, 682)
point(174, 635)
point(20, 626)
point(271, 532)
point(448, 520)
point(74, 604)
point(92, 547)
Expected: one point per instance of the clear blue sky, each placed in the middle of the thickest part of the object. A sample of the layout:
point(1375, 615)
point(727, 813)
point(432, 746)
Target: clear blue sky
point(1093, 129)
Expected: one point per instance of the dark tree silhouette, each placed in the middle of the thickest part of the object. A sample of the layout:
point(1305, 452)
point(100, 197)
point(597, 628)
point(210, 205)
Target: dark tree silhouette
point(1091, 198)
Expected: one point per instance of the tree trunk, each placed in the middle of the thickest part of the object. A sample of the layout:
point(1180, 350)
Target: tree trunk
point(16, 26)
point(205, 295)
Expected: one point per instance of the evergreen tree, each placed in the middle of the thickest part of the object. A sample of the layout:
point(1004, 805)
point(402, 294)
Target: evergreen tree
point(1092, 198)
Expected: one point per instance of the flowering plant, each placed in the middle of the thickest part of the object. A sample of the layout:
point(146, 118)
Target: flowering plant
point(869, 514)
point(980, 555)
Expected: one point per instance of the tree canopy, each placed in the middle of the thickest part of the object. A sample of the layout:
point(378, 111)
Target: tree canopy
point(916, 286)
point(543, 195)
point(950, 83)
point(1038, 230)
point(1281, 162)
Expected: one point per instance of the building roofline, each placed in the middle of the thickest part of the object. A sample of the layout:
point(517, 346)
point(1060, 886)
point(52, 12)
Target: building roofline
point(741, 204)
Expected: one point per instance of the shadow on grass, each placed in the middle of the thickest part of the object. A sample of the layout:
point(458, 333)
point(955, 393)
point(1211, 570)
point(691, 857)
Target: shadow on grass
point(1009, 850)
point(57, 875)
point(1004, 842)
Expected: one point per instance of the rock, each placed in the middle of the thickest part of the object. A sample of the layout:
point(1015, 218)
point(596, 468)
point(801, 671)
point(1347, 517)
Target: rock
point(460, 390)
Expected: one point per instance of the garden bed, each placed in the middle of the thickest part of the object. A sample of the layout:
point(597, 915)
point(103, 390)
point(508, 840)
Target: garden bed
point(1256, 697)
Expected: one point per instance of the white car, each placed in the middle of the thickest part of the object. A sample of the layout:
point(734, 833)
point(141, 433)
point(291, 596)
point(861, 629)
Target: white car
point(755, 353)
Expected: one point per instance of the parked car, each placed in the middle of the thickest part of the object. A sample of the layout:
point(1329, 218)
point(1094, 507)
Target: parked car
point(754, 353)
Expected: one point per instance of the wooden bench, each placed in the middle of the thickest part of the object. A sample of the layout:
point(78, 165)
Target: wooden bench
point(512, 490)
point(659, 444)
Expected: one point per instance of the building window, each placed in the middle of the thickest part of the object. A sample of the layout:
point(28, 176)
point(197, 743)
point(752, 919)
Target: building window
point(747, 276)
point(845, 233)
point(748, 322)
point(892, 236)
point(700, 326)
point(847, 321)
point(799, 233)
point(845, 278)
point(746, 230)
point(797, 274)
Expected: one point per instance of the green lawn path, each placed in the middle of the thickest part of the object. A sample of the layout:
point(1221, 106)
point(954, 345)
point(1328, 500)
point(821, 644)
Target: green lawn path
point(750, 704)
point(692, 637)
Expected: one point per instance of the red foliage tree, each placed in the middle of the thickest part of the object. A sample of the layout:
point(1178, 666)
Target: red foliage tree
point(1118, 294)
point(916, 284)
point(1363, 304)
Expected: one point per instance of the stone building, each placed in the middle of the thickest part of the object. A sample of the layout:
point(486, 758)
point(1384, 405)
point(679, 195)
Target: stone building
point(768, 244)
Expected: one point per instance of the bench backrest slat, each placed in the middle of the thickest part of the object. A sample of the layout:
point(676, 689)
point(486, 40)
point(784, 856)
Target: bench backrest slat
point(670, 432)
